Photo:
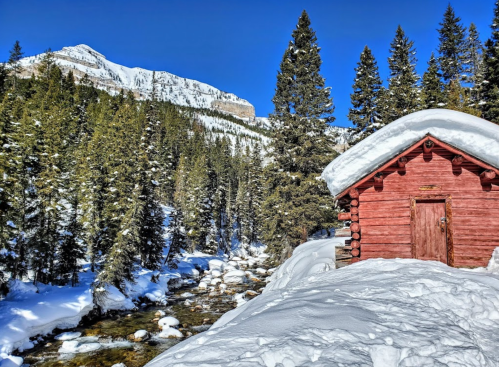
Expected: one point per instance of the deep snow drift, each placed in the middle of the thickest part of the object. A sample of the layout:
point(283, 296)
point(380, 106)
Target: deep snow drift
point(473, 135)
point(378, 313)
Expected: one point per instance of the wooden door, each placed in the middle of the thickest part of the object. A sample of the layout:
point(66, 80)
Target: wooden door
point(430, 231)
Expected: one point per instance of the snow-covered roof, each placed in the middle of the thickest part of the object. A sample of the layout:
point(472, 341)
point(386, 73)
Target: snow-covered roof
point(472, 135)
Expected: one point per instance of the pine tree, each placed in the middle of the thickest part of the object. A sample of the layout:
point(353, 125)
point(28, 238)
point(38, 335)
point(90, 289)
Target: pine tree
point(255, 196)
point(402, 83)
point(222, 165)
point(152, 217)
point(364, 113)
point(4, 77)
point(432, 87)
point(490, 84)
point(473, 64)
point(119, 264)
point(459, 99)
point(15, 68)
point(178, 238)
point(198, 204)
point(303, 107)
point(301, 147)
point(452, 46)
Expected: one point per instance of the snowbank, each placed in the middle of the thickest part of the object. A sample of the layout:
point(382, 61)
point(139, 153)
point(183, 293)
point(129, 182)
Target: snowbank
point(28, 310)
point(25, 313)
point(380, 313)
point(471, 134)
point(310, 258)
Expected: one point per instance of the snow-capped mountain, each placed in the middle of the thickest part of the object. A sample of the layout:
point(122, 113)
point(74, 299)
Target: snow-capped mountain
point(112, 77)
point(109, 76)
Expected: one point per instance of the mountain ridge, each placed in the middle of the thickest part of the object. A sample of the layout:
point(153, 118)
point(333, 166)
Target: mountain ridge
point(112, 77)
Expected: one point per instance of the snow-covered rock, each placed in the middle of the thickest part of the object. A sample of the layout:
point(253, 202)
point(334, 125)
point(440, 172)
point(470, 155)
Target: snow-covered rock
point(202, 285)
point(235, 277)
point(231, 268)
point(69, 335)
point(74, 346)
point(261, 271)
point(170, 333)
point(240, 299)
point(216, 273)
point(216, 264)
point(470, 134)
point(216, 281)
point(140, 335)
point(381, 313)
point(168, 321)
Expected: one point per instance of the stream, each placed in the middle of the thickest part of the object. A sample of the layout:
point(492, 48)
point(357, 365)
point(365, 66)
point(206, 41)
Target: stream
point(108, 340)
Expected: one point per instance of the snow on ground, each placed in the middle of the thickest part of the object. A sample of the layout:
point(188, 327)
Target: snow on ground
point(308, 259)
point(381, 313)
point(471, 134)
point(28, 311)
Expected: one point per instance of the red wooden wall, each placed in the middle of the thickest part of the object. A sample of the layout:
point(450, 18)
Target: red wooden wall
point(384, 208)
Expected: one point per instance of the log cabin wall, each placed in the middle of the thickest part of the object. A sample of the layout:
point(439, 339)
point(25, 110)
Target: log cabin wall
point(384, 212)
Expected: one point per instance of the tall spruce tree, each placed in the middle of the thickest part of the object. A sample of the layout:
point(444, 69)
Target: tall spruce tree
point(364, 113)
point(152, 216)
point(15, 68)
point(432, 87)
point(178, 238)
point(473, 63)
point(403, 92)
point(490, 85)
point(197, 214)
point(301, 148)
point(452, 46)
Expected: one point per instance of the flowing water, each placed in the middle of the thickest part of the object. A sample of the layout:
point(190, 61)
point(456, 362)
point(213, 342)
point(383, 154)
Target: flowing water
point(110, 335)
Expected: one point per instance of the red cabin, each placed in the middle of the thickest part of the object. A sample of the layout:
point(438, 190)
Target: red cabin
point(429, 190)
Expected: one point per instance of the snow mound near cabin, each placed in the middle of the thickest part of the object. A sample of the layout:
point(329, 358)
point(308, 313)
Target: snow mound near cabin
point(381, 313)
point(470, 134)
point(310, 258)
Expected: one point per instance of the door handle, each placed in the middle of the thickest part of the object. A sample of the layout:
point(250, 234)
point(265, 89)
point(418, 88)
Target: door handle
point(443, 222)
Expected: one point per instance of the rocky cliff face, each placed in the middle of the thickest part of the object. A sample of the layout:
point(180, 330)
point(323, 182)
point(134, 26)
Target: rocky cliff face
point(237, 109)
point(112, 77)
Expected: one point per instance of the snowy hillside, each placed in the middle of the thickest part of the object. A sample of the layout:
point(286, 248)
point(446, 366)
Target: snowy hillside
point(381, 313)
point(224, 127)
point(107, 75)
point(111, 77)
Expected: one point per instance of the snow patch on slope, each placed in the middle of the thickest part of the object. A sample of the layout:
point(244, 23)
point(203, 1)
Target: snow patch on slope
point(471, 134)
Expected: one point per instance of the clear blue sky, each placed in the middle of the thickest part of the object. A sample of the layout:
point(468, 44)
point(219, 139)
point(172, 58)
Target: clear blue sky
point(235, 46)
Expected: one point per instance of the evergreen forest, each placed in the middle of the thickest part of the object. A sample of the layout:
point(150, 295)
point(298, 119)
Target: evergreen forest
point(88, 176)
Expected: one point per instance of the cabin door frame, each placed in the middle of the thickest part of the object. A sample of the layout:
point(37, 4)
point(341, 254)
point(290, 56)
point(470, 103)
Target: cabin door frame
point(448, 214)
